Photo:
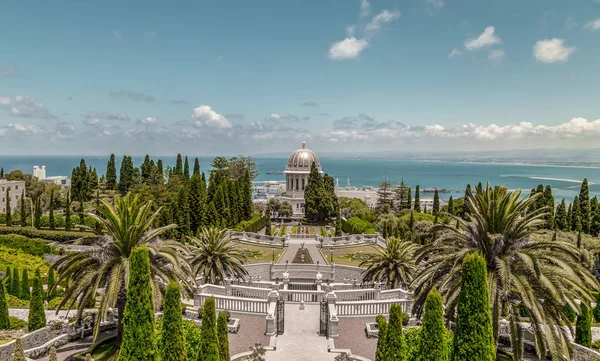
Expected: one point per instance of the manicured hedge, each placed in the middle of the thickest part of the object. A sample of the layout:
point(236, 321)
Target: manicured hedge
point(12, 258)
point(356, 225)
point(57, 236)
point(255, 224)
point(32, 246)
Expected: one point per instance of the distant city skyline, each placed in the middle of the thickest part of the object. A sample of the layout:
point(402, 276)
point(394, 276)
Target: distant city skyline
point(232, 77)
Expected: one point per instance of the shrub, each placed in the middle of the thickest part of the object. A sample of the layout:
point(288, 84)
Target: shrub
point(396, 348)
point(172, 342)
point(138, 342)
point(210, 344)
point(19, 353)
point(53, 303)
point(381, 352)
point(222, 332)
point(474, 339)
point(14, 257)
point(355, 225)
point(52, 354)
point(227, 314)
point(15, 283)
point(191, 333)
point(57, 236)
point(14, 302)
point(32, 246)
point(253, 225)
point(583, 327)
point(4, 320)
point(432, 344)
point(25, 293)
point(17, 323)
point(597, 309)
point(412, 338)
point(37, 314)
point(570, 313)
point(405, 319)
point(200, 312)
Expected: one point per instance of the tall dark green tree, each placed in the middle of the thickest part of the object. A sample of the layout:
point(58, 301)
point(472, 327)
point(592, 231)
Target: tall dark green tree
point(268, 220)
point(81, 213)
point(209, 344)
point(583, 326)
point(221, 203)
point(172, 342)
point(7, 281)
point(160, 171)
point(197, 198)
point(596, 311)
point(127, 175)
point(183, 211)
point(4, 320)
point(473, 339)
point(381, 352)
point(37, 213)
point(561, 222)
point(186, 169)
point(146, 169)
point(314, 193)
point(222, 333)
point(111, 173)
point(51, 211)
point(570, 217)
point(432, 340)
point(8, 210)
point(80, 182)
point(23, 210)
point(396, 347)
point(548, 202)
point(25, 293)
point(576, 224)
point(68, 213)
point(450, 206)
point(246, 195)
point(15, 283)
point(584, 206)
point(196, 167)
point(139, 342)
point(595, 223)
point(37, 315)
point(436, 203)
point(417, 206)
point(468, 194)
point(178, 170)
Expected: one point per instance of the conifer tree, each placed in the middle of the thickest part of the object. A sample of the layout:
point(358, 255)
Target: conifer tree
point(221, 203)
point(247, 201)
point(583, 326)
point(186, 169)
point(178, 170)
point(268, 220)
point(408, 199)
point(381, 352)
point(196, 167)
point(338, 225)
point(68, 213)
point(595, 224)
point(52, 356)
point(15, 286)
point(450, 206)
point(172, 343)
point(160, 170)
point(209, 344)
point(25, 293)
point(560, 221)
point(576, 215)
point(211, 217)
point(465, 210)
point(7, 281)
point(436, 203)
point(51, 281)
point(432, 343)
point(584, 206)
point(127, 175)
point(223, 336)
point(138, 318)
point(8, 214)
point(37, 213)
point(417, 206)
point(579, 239)
point(473, 339)
point(396, 348)
point(81, 213)
point(51, 210)
point(196, 197)
point(597, 309)
point(111, 173)
point(183, 211)
point(570, 217)
point(411, 221)
point(37, 315)
point(23, 210)
point(19, 353)
point(4, 319)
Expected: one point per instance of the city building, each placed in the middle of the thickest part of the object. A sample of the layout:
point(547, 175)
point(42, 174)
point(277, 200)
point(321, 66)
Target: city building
point(61, 180)
point(14, 191)
point(296, 177)
point(39, 172)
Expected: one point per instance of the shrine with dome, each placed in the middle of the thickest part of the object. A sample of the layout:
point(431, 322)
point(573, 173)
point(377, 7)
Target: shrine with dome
point(296, 177)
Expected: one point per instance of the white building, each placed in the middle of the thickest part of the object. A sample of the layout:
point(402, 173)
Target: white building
point(14, 191)
point(296, 177)
point(39, 172)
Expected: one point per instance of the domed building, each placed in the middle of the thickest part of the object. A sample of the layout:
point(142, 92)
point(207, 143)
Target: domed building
point(296, 177)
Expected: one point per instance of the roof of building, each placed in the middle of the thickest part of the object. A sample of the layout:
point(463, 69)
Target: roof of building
point(302, 160)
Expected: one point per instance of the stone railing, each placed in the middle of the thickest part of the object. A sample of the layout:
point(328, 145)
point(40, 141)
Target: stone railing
point(247, 292)
point(258, 284)
point(357, 295)
point(301, 296)
point(373, 307)
point(213, 289)
point(395, 294)
point(233, 304)
point(259, 238)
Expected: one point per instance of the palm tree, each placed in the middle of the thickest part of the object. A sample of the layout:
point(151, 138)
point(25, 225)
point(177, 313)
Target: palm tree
point(215, 256)
point(536, 276)
point(123, 227)
point(395, 264)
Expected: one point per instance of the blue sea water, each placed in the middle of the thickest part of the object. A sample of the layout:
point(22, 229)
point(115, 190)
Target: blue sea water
point(565, 181)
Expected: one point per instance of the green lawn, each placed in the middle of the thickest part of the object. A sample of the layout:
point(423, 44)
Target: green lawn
point(349, 256)
point(260, 254)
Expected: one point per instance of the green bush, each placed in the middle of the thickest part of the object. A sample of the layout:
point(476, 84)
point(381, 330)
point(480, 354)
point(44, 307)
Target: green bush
point(222, 333)
point(57, 236)
point(405, 319)
point(37, 314)
point(17, 323)
point(32, 246)
point(583, 327)
point(210, 343)
point(395, 344)
point(4, 320)
point(381, 352)
point(53, 303)
point(16, 258)
point(356, 225)
point(253, 225)
point(191, 333)
point(597, 309)
point(14, 302)
point(412, 337)
point(432, 344)
point(172, 343)
point(570, 313)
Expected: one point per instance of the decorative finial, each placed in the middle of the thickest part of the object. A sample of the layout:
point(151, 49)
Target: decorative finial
point(303, 144)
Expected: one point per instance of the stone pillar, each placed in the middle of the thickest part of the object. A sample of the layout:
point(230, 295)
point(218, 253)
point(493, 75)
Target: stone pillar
point(332, 271)
point(271, 326)
point(377, 290)
point(333, 319)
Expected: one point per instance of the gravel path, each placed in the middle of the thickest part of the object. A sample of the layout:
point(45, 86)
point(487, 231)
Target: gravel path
point(252, 330)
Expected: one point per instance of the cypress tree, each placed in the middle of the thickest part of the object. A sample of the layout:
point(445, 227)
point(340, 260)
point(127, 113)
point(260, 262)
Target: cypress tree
point(268, 220)
point(196, 167)
point(450, 206)
point(570, 217)
point(396, 348)
point(183, 211)
point(172, 343)
point(548, 200)
point(4, 320)
point(211, 217)
point(51, 281)
point(81, 213)
point(68, 213)
point(432, 343)
point(126, 175)
point(8, 215)
point(209, 344)
point(560, 221)
point(19, 353)
point(579, 239)
point(473, 339)
point(25, 293)
point(576, 215)
point(595, 224)
point(417, 206)
point(223, 336)
point(408, 199)
point(7, 280)
point(37, 213)
point(138, 319)
point(247, 200)
point(221, 204)
point(23, 210)
point(146, 169)
point(411, 221)
point(111, 173)
point(597, 309)
point(178, 170)
point(583, 326)
point(584, 206)
point(196, 190)
point(15, 286)
point(381, 352)
point(338, 226)
point(186, 168)
point(52, 354)
point(468, 195)
point(51, 210)
point(37, 315)
point(436, 203)
point(160, 170)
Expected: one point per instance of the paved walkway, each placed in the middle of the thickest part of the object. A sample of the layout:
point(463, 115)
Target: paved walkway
point(301, 341)
point(310, 244)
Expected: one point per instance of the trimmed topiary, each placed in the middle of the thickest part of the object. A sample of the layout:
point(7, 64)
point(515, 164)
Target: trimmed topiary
point(209, 350)
point(223, 336)
point(597, 309)
point(52, 354)
point(15, 284)
point(25, 293)
point(37, 314)
point(172, 342)
point(138, 318)
point(396, 349)
point(19, 353)
point(583, 327)
point(381, 352)
point(432, 343)
point(4, 320)
point(474, 338)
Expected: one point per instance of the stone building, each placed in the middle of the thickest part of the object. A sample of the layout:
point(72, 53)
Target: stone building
point(296, 177)
point(14, 190)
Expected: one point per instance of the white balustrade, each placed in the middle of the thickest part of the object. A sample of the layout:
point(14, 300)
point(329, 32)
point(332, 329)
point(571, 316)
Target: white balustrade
point(374, 307)
point(357, 294)
point(233, 304)
point(249, 292)
point(298, 296)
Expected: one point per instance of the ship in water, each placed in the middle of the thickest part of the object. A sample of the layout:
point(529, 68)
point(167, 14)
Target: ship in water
point(275, 172)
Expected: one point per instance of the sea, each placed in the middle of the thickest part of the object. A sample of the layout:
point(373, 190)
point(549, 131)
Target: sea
point(450, 176)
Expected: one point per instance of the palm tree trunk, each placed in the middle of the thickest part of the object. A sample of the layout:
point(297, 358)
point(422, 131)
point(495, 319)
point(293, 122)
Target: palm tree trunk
point(121, 300)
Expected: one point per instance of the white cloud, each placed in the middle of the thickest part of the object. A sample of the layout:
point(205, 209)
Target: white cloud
point(205, 116)
point(103, 115)
point(24, 107)
point(593, 25)
point(496, 55)
point(552, 51)
point(348, 48)
point(454, 52)
point(282, 118)
point(437, 4)
point(146, 121)
point(485, 39)
point(365, 8)
point(25, 128)
point(383, 17)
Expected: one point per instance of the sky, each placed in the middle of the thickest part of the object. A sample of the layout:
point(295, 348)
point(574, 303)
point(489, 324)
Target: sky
point(258, 77)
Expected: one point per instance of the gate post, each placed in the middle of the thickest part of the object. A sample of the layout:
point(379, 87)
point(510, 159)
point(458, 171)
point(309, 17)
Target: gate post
point(333, 322)
point(271, 330)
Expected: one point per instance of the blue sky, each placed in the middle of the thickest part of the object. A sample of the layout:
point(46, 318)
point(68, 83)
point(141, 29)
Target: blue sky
point(225, 77)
